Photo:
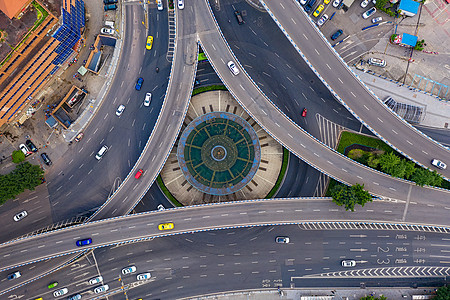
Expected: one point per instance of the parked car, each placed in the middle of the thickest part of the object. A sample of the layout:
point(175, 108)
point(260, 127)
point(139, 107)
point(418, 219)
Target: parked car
point(60, 292)
point(138, 174)
point(46, 159)
point(369, 13)
point(336, 3)
point(31, 146)
point(144, 276)
point(110, 7)
point(304, 111)
point(282, 240)
point(120, 110)
point(24, 149)
point(96, 280)
point(14, 275)
point(20, 216)
point(101, 289)
point(348, 263)
point(364, 3)
point(149, 43)
point(234, 70)
point(303, 2)
point(180, 4)
point(239, 17)
point(337, 34)
point(101, 152)
point(318, 10)
point(84, 242)
point(377, 19)
point(79, 137)
point(309, 5)
point(148, 99)
point(326, 1)
point(128, 270)
point(376, 62)
point(107, 31)
point(139, 83)
point(322, 20)
point(438, 164)
point(109, 1)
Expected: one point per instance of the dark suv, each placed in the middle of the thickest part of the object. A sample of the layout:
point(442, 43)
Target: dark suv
point(46, 159)
point(309, 5)
point(31, 146)
point(336, 34)
point(238, 17)
point(110, 7)
point(109, 1)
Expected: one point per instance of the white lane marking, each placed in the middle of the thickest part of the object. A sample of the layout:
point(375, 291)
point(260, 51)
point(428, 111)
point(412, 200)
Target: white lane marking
point(394, 131)
point(318, 53)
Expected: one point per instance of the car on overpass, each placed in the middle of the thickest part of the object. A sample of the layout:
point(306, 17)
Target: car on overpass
point(165, 226)
point(439, 164)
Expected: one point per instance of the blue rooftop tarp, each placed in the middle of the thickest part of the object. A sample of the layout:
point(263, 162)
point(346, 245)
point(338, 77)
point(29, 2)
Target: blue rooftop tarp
point(409, 6)
point(410, 40)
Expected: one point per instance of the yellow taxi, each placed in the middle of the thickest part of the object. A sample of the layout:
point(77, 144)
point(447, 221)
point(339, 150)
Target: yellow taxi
point(149, 42)
point(165, 226)
point(318, 10)
point(326, 1)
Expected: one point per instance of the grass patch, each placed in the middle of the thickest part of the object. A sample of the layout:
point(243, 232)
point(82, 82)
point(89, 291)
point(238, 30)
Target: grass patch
point(202, 57)
point(208, 88)
point(349, 138)
point(281, 175)
point(166, 192)
point(41, 15)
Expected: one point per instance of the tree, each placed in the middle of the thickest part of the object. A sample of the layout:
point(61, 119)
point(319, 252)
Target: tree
point(410, 168)
point(422, 177)
point(389, 161)
point(348, 196)
point(442, 293)
point(18, 156)
point(382, 297)
point(373, 160)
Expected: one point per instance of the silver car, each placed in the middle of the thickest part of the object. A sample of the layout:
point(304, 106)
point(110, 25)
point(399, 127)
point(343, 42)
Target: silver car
point(438, 164)
point(120, 110)
point(143, 276)
point(148, 99)
point(60, 292)
point(101, 289)
point(20, 216)
point(234, 70)
point(96, 280)
point(129, 270)
point(348, 263)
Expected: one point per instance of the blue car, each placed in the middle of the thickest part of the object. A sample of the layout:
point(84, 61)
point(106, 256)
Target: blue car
point(337, 34)
point(85, 242)
point(139, 83)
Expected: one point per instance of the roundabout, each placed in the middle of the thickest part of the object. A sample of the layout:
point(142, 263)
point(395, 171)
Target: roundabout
point(219, 153)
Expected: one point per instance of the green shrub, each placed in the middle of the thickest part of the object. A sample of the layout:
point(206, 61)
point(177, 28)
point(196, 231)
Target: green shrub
point(18, 156)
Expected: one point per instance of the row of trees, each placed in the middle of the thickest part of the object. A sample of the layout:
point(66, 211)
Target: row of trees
point(392, 164)
point(349, 196)
point(25, 176)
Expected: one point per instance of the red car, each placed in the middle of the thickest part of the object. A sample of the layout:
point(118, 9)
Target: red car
point(304, 112)
point(79, 137)
point(138, 174)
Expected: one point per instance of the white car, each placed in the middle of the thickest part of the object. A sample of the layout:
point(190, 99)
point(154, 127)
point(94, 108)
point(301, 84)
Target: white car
point(60, 292)
point(303, 2)
point(234, 70)
point(129, 270)
point(282, 240)
point(101, 289)
point(20, 216)
point(148, 99)
point(96, 280)
point(120, 110)
point(24, 149)
point(369, 13)
point(107, 31)
point(161, 207)
point(144, 276)
point(160, 4)
point(348, 263)
point(364, 3)
point(377, 19)
point(438, 164)
point(322, 20)
point(336, 3)
point(101, 152)
point(180, 4)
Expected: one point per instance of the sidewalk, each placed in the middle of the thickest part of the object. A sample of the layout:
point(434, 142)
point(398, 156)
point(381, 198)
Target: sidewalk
point(328, 294)
point(436, 111)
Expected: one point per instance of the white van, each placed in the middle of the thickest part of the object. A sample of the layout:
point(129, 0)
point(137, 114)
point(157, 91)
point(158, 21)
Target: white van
point(101, 152)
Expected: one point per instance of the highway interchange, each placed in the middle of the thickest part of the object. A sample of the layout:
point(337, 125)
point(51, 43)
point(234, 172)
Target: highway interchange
point(176, 100)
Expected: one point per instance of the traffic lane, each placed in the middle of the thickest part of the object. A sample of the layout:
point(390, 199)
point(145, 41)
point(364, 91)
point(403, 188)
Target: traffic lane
point(439, 134)
point(365, 105)
point(152, 199)
point(169, 120)
point(206, 75)
point(267, 115)
point(194, 218)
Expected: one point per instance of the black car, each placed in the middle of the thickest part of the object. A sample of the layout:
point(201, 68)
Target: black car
point(336, 34)
point(110, 7)
point(238, 17)
point(109, 1)
point(46, 159)
point(31, 146)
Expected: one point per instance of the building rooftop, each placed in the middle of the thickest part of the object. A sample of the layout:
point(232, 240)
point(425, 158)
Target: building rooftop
point(14, 7)
point(410, 40)
point(410, 6)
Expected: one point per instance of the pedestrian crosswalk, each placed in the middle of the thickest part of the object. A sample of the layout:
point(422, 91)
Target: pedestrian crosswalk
point(370, 226)
point(389, 272)
point(172, 35)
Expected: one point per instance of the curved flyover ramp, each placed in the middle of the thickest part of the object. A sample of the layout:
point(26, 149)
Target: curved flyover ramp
point(349, 89)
